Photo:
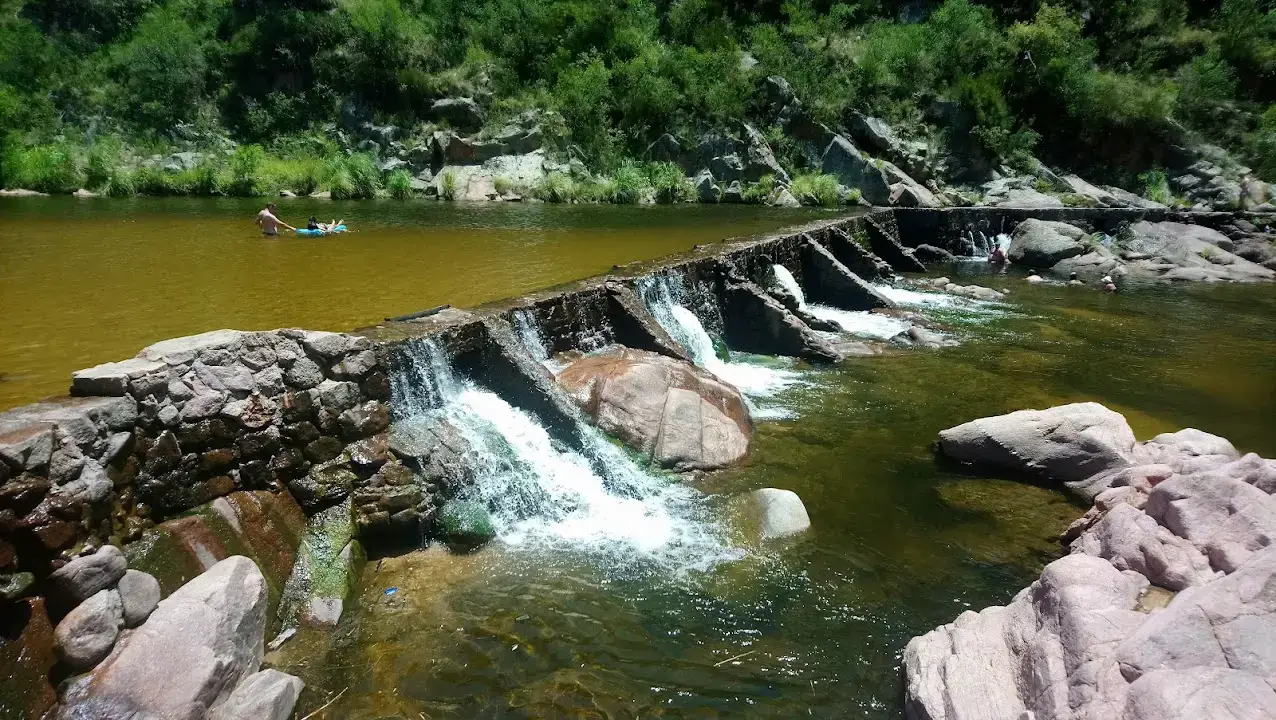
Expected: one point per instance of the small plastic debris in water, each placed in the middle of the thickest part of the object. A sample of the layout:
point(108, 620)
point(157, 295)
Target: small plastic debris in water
point(391, 591)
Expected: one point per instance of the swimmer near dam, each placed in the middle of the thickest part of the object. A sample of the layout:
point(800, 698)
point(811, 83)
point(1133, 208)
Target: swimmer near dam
point(844, 469)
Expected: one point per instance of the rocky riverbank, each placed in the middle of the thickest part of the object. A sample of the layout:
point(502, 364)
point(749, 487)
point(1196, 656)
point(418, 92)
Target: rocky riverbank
point(1164, 607)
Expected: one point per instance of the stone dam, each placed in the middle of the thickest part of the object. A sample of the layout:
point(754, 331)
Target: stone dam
point(306, 451)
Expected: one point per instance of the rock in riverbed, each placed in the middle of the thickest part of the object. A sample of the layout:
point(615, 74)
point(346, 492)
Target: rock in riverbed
point(1181, 512)
point(676, 413)
point(769, 513)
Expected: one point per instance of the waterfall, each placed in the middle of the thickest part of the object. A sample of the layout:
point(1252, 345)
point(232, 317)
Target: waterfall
point(786, 280)
point(529, 335)
point(667, 300)
point(855, 322)
point(542, 494)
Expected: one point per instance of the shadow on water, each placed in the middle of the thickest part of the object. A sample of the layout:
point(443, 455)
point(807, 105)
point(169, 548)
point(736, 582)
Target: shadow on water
point(900, 543)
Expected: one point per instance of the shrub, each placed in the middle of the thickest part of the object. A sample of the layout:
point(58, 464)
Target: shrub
point(46, 168)
point(340, 186)
point(209, 179)
point(399, 184)
point(448, 185)
point(150, 181)
point(816, 189)
point(502, 184)
point(246, 171)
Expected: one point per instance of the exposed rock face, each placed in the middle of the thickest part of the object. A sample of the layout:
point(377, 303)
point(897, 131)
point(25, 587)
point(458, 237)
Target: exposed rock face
point(1064, 443)
point(1018, 193)
point(329, 560)
point(769, 513)
point(853, 169)
point(1082, 642)
point(1042, 244)
point(679, 415)
point(831, 282)
point(1175, 251)
point(756, 322)
point(461, 113)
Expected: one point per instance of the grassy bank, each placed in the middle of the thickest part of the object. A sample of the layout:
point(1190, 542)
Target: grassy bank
point(112, 169)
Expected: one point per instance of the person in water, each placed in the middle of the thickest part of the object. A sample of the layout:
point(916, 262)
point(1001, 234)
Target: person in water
point(269, 223)
point(313, 224)
point(997, 256)
point(1074, 280)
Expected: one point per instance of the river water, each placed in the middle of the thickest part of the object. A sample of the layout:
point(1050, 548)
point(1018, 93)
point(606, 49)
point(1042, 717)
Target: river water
point(688, 619)
point(632, 597)
point(86, 281)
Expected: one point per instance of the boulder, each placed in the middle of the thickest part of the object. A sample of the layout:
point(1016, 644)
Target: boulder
point(1042, 243)
point(706, 190)
point(265, 695)
point(733, 193)
point(1227, 518)
point(756, 322)
point(461, 113)
point(87, 634)
point(190, 654)
point(665, 149)
point(677, 414)
point(88, 575)
point(759, 160)
point(769, 514)
point(932, 254)
point(785, 199)
point(853, 169)
point(1063, 444)
point(327, 568)
point(465, 525)
point(832, 283)
point(1017, 193)
point(139, 595)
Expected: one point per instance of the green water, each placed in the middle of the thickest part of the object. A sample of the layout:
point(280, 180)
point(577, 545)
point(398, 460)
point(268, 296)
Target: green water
point(899, 544)
point(87, 281)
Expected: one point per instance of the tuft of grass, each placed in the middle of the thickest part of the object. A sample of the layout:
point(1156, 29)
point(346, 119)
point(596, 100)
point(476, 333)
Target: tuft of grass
point(502, 184)
point(399, 184)
point(104, 159)
point(448, 185)
point(629, 182)
point(757, 193)
point(119, 183)
point(854, 196)
point(556, 187)
point(1156, 187)
point(670, 184)
point(816, 189)
point(364, 175)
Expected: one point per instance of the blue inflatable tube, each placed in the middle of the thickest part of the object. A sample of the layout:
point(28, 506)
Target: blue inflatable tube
point(319, 233)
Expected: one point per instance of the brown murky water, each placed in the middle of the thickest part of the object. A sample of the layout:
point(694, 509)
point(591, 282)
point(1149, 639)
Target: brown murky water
point(90, 281)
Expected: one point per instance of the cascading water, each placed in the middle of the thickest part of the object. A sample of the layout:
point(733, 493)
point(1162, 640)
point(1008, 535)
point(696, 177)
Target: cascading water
point(860, 323)
point(666, 300)
point(542, 494)
point(980, 245)
point(529, 335)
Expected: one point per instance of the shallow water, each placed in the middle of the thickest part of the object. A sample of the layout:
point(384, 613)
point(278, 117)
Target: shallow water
point(900, 544)
point(86, 281)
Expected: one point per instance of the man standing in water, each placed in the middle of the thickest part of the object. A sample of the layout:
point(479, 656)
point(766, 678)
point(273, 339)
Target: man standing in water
point(269, 223)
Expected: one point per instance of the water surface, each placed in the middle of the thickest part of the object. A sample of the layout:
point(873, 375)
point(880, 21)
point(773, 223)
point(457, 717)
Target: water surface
point(85, 281)
point(899, 544)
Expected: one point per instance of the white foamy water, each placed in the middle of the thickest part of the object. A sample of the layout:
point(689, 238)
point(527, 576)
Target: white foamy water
point(685, 327)
point(543, 494)
point(917, 298)
point(790, 283)
point(861, 323)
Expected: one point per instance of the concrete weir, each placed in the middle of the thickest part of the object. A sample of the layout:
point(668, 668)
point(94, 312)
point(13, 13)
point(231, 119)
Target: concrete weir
point(193, 419)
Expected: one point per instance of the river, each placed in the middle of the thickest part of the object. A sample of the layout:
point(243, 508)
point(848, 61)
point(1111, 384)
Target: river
point(87, 281)
point(810, 628)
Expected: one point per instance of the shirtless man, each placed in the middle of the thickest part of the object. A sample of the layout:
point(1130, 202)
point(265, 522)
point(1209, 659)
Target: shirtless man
point(269, 223)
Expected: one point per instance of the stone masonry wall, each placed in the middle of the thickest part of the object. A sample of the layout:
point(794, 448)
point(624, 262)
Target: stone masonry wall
point(186, 421)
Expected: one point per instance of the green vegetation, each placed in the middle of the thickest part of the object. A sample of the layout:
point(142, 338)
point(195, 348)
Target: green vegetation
point(448, 185)
point(399, 185)
point(816, 189)
point(91, 86)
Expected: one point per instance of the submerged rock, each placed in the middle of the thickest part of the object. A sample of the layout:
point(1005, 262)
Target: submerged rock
point(679, 415)
point(769, 513)
point(465, 525)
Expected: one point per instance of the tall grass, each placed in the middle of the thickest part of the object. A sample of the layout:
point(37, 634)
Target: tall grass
point(447, 186)
point(670, 184)
point(45, 168)
point(629, 183)
point(816, 189)
point(399, 184)
point(759, 191)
